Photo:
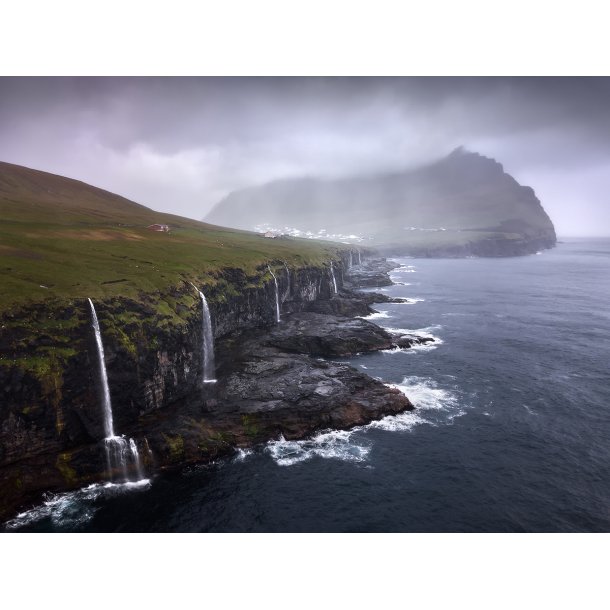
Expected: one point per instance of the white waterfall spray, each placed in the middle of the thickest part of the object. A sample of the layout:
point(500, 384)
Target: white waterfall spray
point(359, 258)
point(351, 258)
point(287, 293)
point(106, 404)
point(120, 452)
point(332, 273)
point(209, 366)
point(277, 296)
point(136, 458)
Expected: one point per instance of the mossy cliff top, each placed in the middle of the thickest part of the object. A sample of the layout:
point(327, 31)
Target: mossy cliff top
point(63, 239)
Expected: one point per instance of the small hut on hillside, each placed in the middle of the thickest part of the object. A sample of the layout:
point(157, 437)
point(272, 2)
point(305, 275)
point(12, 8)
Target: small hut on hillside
point(157, 227)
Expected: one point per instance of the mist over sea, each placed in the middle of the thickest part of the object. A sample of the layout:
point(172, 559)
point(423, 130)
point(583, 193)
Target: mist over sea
point(510, 431)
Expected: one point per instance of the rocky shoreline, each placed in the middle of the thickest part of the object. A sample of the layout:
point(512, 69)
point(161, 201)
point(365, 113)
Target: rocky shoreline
point(272, 380)
point(277, 381)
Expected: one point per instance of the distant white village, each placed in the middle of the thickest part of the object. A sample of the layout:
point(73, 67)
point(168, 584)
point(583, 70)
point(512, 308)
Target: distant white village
point(270, 232)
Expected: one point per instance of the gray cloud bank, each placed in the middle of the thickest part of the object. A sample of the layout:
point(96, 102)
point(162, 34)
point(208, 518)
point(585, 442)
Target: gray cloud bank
point(181, 144)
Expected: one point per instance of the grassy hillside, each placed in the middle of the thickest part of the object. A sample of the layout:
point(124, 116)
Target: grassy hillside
point(61, 238)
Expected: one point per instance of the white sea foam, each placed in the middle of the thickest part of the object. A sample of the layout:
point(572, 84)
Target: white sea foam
point(425, 394)
point(394, 350)
point(426, 330)
point(398, 423)
point(416, 347)
point(417, 332)
point(351, 445)
point(427, 398)
point(376, 315)
point(243, 454)
point(408, 301)
point(74, 507)
point(329, 444)
point(426, 347)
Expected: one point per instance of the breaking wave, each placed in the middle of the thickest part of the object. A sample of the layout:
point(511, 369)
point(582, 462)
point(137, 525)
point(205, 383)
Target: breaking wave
point(73, 508)
point(376, 315)
point(242, 454)
point(408, 301)
point(416, 347)
point(416, 332)
point(429, 401)
point(329, 444)
point(433, 405)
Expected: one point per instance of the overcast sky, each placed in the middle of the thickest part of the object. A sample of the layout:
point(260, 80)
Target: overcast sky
point(181, 144)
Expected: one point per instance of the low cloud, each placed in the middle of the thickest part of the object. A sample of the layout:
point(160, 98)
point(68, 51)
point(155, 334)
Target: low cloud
point(179, 145)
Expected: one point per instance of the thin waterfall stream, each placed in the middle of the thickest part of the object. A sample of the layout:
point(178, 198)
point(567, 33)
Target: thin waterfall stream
point(277, 296)
point(209, 366)
point(332, 273)
point(121, 453)
point(207, 343)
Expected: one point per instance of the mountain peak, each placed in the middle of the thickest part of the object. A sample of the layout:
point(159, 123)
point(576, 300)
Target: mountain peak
point(463, 203)
point(459, 151)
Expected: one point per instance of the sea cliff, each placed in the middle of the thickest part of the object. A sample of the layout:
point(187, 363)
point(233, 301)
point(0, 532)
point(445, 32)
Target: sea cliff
point(271, 378)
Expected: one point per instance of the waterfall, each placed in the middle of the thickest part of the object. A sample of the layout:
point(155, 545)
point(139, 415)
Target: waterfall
point(135, 455)
point(332, 273)
point(277, 296)
point(107, 405)
point(351, 258)
point(287, 293)
point(359, 258)
point(119, 454)
point(209, 368)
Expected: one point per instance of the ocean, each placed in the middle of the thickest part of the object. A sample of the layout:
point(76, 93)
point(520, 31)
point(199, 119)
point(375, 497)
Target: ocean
point(511, 431)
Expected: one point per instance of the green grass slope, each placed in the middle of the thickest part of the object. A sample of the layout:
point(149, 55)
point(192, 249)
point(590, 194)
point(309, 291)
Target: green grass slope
point(61, 238)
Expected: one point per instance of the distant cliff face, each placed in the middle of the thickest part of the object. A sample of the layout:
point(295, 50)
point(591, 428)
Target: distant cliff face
point(464, 204)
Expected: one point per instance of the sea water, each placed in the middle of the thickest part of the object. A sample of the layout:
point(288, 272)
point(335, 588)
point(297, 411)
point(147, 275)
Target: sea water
point(510, 431)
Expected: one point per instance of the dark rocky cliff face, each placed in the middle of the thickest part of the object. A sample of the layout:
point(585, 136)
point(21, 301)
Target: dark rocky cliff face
point(51, 422)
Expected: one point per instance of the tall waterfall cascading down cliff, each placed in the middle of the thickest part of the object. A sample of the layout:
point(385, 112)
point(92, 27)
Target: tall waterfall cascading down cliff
point(287, 293)
point(209, 366)
point(332, 273)
point(106, 403)
point(277, 296)
point(120, 453)
point(359, 258)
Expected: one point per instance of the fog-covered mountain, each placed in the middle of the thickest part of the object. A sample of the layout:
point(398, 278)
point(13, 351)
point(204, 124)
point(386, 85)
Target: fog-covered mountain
point(463, 204)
